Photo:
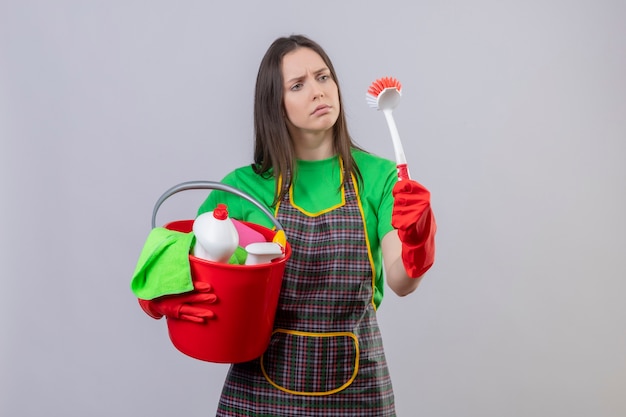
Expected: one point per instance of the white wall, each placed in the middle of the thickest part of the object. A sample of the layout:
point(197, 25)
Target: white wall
point(513, 114)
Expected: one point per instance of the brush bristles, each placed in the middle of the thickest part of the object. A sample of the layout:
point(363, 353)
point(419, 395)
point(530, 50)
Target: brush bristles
point(381, 84)
point(371, 101)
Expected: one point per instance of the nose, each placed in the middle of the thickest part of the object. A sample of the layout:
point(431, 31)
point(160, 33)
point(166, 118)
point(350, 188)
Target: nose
point(318, 92)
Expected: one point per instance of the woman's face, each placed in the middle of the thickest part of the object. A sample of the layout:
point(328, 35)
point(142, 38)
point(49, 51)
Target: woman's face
point(311, 97)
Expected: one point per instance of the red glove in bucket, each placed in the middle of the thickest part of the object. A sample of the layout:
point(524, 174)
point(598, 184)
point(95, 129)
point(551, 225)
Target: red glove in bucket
point(191, 306)
point(413, 217)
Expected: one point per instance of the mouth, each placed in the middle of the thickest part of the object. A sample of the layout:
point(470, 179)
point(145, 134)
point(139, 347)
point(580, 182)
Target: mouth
point(321, 109)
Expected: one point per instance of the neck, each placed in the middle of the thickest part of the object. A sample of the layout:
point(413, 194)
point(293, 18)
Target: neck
point(314, 146)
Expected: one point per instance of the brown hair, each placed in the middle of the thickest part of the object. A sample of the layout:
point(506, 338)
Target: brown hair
point(274, 154)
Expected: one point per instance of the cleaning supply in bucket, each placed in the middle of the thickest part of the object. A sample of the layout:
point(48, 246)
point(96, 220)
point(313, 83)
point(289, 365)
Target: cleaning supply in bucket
point(263, 252)
point(247, 234)
point(163, 265)
point(216, 235)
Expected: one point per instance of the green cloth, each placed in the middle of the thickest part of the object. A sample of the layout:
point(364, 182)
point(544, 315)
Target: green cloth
point(239, 257)
point(315, 189)
point(163, 265)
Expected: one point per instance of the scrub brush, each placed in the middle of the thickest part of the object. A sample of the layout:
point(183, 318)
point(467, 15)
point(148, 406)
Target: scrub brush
point(384, 94)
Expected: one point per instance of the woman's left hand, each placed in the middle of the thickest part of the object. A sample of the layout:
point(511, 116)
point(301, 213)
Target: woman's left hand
point(414, 219)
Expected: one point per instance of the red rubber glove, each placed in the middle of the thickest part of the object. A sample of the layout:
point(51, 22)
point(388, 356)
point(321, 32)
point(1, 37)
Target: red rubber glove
point(414, 219)
point(190, 306)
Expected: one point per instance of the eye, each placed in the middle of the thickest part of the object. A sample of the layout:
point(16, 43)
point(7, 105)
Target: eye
point(296, 87)
point(324, 77)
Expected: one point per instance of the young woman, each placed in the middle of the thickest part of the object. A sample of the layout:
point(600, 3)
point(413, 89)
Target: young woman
point(345, 216)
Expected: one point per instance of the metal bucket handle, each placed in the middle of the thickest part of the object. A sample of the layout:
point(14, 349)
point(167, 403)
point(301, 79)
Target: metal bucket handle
point(211, 185)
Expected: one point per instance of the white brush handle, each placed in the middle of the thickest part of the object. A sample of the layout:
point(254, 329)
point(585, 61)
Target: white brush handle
point(395, 139)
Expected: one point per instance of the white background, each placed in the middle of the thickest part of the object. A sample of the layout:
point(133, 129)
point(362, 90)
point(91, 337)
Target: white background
point(513, 115)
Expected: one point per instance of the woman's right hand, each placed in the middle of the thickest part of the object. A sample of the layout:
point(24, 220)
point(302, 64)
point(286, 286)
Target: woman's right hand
point(191, 306)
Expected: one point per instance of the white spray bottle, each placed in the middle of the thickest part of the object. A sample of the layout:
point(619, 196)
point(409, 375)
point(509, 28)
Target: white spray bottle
point(216, 235)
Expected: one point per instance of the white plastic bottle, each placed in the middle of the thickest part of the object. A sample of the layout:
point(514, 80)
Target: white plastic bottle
point(263, 252)
point(216, 235)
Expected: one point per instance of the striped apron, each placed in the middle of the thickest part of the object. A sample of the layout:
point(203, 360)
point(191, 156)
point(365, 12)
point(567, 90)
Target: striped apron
point(326, 355)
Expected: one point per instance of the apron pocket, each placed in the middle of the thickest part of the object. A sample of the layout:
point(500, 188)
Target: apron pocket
point(304, 363)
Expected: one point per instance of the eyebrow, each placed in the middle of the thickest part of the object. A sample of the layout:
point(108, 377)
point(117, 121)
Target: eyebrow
point(299, 77)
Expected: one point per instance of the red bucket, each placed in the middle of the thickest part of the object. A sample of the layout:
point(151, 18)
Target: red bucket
point(247, 297)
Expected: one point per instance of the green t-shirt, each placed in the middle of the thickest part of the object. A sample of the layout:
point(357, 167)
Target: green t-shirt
point(316, 189)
